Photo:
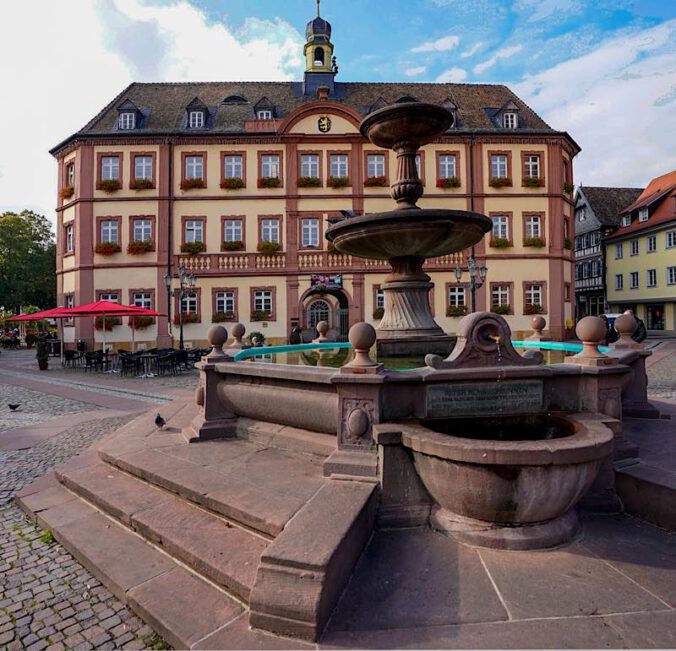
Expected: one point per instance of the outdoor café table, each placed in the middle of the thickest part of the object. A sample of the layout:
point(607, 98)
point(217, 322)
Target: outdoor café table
point(147, 359)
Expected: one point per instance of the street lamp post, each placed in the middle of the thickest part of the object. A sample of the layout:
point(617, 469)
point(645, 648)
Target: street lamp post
point(186, 282)
point(477, 277)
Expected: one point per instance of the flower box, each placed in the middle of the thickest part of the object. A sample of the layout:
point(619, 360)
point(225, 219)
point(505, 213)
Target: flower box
point(456, 310)
point(232, 184)
point(138, 247)
point(67, 191)
point(568, 188)
point(258, 315)
point(269, 182)
point(500, 182)
point(568, 244)
point(188, 317)
point(533, 182)
point(537, 242)
point(375, 182)
point(309, 182)
point(107, 248)
point(532, 308)
point(378, 313)
point(142, 184)
point(500, 243)
point(192, 184)
point(338, 181)
point(269, 248)
point(109, 321)
point(109, 185)
point(140, 322)
point(192, 247)
point(500, 309)
point(236, 245)
point(449, 182)
point(219, 317)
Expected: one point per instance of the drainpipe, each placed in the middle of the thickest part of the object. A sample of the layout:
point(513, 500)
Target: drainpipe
point(472, 290)
point(170, 226)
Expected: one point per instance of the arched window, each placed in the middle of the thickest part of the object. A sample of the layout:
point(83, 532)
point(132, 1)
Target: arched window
point(319, 56)
point(318, 311)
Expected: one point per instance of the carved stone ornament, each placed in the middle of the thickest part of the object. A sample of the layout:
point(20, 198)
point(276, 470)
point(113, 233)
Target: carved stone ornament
point(484, 339)
point(356, 422)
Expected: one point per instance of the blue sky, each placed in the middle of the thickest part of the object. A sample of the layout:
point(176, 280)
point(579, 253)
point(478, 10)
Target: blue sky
point(605, 71)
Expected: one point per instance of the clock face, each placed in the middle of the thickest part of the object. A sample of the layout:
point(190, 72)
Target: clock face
point(324, 124)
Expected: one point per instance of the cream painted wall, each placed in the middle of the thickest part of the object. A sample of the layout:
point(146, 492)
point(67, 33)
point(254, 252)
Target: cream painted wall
point(517, 172)
point(310, 126)
point(126, 151)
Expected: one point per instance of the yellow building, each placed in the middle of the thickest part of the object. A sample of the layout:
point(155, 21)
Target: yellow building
point(235, 181)
point(641, 257)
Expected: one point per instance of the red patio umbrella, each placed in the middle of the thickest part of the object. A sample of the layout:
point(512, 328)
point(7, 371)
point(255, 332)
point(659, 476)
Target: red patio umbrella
point(53, 313)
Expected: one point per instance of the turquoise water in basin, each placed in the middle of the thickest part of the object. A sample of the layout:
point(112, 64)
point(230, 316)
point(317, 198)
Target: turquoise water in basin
point(337, 354)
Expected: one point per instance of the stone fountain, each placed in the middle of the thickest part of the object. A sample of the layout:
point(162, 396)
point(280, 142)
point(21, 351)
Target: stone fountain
point(409, 235)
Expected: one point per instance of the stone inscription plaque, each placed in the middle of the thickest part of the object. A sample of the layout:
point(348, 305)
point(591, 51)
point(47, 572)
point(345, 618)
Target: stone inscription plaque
point(485, 398)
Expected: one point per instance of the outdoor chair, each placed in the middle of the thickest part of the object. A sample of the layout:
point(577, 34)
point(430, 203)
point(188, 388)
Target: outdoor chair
point(130, 364)
point(181, 358)
point(167, 364)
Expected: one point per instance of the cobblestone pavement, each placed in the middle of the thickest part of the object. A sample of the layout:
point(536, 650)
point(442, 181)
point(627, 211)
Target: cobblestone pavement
point(662, 378)
point(35, 407)
point(47, 599)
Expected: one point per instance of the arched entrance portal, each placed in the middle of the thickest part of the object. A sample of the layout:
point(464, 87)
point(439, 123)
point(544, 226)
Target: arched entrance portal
point(325, 305)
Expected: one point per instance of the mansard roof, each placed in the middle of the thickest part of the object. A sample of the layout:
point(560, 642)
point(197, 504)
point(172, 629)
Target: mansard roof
point(165, 105)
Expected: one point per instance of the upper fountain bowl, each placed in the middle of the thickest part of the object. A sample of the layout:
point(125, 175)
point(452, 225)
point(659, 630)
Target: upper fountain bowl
point(413, 122)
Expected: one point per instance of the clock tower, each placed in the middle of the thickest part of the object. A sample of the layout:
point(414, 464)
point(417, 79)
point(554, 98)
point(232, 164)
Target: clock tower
point(320, 64)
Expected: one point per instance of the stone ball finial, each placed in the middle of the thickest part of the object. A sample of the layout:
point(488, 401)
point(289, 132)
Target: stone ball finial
point(362, 336)
point(591, 330)
point(217, 335)
point(538, 323)
point(322, 329)
point(238, 331)
point(625, 324)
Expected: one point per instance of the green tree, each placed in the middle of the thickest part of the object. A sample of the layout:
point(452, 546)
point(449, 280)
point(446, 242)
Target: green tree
point(27, 260)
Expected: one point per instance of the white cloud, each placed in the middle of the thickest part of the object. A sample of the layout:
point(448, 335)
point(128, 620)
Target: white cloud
point(452, 76)
point(414, 72)
point(538, 10)
point(442, 44)
point(504, 53)
point(57, 85)
point(472, 51)
point(615, 102)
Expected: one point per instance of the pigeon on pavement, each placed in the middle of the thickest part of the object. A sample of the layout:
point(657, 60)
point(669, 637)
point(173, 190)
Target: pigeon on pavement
point(159, 421)
point(14, 407)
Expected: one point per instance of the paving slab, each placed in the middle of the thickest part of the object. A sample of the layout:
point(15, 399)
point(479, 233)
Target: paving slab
point(645, 630)
point(641, 551)
point(183, 608)
point(411, 578)
point(562, 582)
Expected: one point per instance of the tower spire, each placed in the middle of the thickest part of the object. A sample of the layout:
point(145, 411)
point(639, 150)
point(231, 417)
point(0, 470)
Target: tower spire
point(318, 1)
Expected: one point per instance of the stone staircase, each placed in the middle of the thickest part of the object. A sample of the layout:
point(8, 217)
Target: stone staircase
point(190, 535)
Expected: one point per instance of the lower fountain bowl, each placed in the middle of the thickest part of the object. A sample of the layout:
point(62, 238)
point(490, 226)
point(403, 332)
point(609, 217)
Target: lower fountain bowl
point(509, 494)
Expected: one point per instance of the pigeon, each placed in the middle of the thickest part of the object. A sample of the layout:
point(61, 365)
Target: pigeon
point(159, 421)
point(14, 407)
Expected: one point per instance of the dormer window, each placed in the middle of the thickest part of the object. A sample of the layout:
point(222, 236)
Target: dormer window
point(643, 215)
point(626, 220)
point(264, 114)
point(196, 120)
point(509, 121)
point(127, 120)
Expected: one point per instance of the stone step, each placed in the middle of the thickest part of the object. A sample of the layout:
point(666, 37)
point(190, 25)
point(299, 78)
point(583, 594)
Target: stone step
point(213, 547)
point(285, 437)
point(258, 488)
point(152, 584)
point(649, 493)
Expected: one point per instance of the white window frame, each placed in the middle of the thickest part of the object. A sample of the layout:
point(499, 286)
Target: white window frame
point(69, 239)
point(194, 167)
point(534, 226)
point(532, 166)
point(142, 299)
point(534, 294)
point(309, 165)
point(671, 275)
point(225, 301)
point(194, 230)
point(457, 296)
point(126, 120)
point(233, 166)
point(110, 168)
point(112, 298)
point(143, 167)
point(510, 120)
point(499, 166)
point(500, 227)
point(626, 220)
point(447, 166)
point(270, 230)
point(233, 230)
point(581, 215)
point(651, 244)
point(196, 120)
point(270, 166)
point(309, 229)
point(619, 282)
point(651, 278)
point(143, 230)
point(262, 301)
point(633, 249)
point(319, 310)
point(380, 299)
point(633, 280)
point(110, 231)
point(264, 114)
point(619, 251)
point(339, 166)
point(670, 239)
point(643, 215)
point(70, 173)
point(189, 304)
point(375, 165)
point(499, 295)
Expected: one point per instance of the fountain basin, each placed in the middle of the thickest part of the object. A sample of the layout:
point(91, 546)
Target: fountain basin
point(509, 494)
point(412, 232)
